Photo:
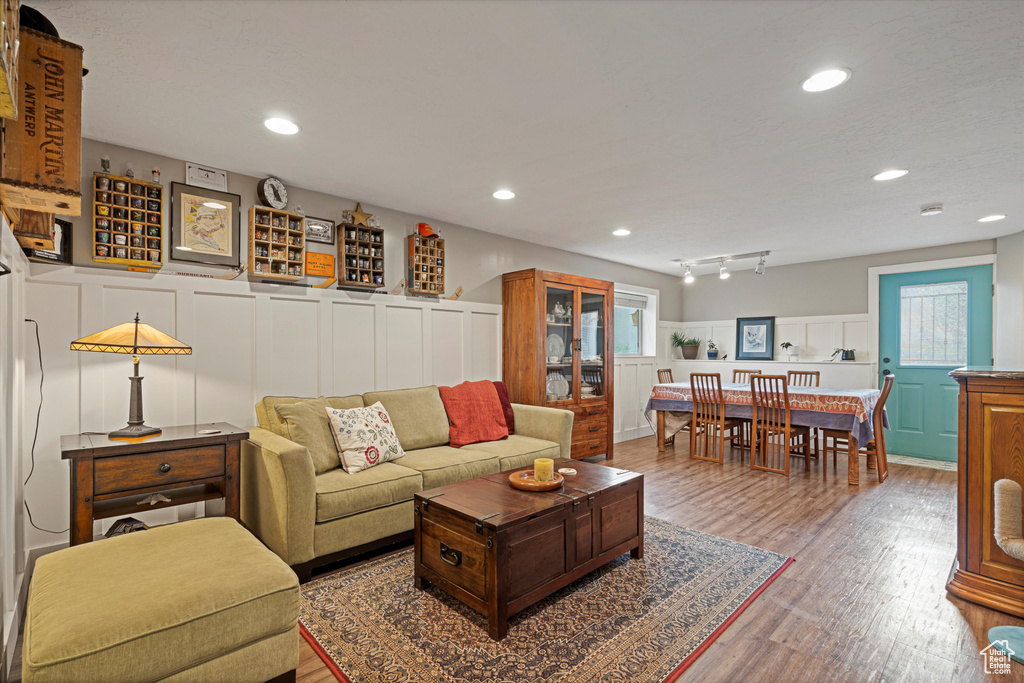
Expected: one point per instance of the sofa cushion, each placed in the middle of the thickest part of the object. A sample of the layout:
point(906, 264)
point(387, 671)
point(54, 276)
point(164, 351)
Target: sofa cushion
point(345, 402)
point(418, 415)
point(443, 465)
point(268, 418)
point(168, 599)
point(340, 494)
point(517, 450)
point(306, 423)
point(506, 406)
point(474, 413)
point(365, 437)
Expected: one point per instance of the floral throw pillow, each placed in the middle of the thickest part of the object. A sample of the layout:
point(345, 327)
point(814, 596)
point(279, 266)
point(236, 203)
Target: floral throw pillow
point(365, 437)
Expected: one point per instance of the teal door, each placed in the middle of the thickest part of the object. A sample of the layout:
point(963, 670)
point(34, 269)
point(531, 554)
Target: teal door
point(929, 323)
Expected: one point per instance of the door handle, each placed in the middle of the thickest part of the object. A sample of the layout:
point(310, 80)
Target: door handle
point(451, 556)
point(886, 372)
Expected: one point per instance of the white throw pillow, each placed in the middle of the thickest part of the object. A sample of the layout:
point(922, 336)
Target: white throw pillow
point(365, 437)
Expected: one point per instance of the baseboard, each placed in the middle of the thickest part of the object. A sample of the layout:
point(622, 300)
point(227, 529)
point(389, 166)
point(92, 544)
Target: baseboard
point(630, 434)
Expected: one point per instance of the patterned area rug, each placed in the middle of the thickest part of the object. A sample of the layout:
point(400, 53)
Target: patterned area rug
point(633, 620)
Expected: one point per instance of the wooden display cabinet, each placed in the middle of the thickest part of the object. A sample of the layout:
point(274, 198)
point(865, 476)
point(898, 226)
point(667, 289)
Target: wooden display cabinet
point(127, 221)
point(991, 447)
point(277, 244)
point(360, 256)
point(426, 266)
point(558, 350)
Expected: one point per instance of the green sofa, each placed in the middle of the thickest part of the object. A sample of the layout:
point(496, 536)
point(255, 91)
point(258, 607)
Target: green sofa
point(311, 519)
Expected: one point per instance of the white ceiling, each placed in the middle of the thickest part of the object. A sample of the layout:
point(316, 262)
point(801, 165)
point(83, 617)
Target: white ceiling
point(682, 121)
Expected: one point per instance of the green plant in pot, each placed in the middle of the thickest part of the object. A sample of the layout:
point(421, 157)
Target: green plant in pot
point(712, 351)
point(689, 345)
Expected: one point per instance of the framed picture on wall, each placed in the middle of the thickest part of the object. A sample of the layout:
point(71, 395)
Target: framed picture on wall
point(205, 226)
point(319, 230)
point(755, 338)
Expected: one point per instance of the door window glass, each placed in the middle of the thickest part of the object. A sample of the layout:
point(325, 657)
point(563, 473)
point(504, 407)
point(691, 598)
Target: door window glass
point(933, 324)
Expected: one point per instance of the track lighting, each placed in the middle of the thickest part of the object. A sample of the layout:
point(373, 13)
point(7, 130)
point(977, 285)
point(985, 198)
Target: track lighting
point(722, 272)
point(688, 276)
point(760, 267)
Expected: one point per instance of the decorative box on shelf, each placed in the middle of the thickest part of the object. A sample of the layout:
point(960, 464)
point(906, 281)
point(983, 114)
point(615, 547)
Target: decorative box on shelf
point(277, 244)
point(360, 256)
point(426, 266)
point(127, 221)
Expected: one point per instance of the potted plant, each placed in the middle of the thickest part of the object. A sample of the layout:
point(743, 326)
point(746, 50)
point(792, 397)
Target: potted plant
point(847, 354)
point(712, 351)
point(792, 350)
point(689, 345)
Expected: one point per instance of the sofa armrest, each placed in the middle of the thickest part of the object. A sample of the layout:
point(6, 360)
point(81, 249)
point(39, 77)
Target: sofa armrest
point(552, 424)
point(278, 487)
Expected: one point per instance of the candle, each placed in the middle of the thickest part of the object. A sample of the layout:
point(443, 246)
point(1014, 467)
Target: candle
point(544, 469)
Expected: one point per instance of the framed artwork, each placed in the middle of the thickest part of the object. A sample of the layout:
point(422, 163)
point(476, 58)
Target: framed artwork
point(319, 230)
point(205, 226)
point(755, 338)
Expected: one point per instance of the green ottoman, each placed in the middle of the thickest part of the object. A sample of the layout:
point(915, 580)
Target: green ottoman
point(199, 601)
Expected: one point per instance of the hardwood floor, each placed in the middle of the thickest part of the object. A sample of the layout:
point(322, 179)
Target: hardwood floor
point(865, 599)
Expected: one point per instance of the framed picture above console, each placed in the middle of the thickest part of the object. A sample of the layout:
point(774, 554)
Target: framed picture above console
point(755, 338)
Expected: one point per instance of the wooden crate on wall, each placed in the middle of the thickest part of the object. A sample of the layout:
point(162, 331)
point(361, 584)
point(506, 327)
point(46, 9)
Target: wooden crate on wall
point(41, 168)
point(426, 266)
point(277, 244)
point(127, 221)
point(360, 256)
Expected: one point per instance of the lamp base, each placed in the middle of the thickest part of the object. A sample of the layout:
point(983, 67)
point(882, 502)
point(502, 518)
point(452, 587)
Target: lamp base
point(134, 431)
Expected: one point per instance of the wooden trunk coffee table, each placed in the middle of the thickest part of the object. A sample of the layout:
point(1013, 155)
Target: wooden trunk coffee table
point(500, 550)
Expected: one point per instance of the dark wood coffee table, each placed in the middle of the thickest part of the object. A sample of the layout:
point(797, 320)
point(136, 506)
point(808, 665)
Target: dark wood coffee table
point(500, 550)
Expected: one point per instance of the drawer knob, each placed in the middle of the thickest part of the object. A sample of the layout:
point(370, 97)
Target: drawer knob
point(595, 446)
point(594, 429)
point(592, 412)
point(165, 468)
point(451, 556)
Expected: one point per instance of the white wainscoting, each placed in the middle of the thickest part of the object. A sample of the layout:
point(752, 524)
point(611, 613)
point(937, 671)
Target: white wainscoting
point(635, 376)
point(249, 340)
point(13, 405)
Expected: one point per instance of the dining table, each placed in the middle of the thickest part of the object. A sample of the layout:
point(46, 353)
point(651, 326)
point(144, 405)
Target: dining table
point(848, 410)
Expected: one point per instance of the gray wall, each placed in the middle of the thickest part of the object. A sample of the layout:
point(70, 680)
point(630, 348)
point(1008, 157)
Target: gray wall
point(835, 287)
point(1010, 300)
point(475, 259)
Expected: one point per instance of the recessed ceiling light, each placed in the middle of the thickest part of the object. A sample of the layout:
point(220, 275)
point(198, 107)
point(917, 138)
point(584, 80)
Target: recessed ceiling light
point(282, 126)
point(504, 194)
point(621, 232)
point(933, 210)
point(214, 205)
point(993, 217)
point(826, 80)
point(891, 175)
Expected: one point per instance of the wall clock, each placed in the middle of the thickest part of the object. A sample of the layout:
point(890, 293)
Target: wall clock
point(272, 193)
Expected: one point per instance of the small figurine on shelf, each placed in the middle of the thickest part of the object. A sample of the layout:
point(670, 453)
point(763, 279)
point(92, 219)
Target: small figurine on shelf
point(105, 163)
point(156, 175)
point(129, 172)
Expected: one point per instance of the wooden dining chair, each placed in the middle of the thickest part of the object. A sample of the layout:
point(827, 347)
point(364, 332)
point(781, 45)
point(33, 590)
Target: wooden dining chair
point(774, 432)
point(665, 376)
point(743, 376)
point(709, 426)
point(806, 378)
point(837, 439)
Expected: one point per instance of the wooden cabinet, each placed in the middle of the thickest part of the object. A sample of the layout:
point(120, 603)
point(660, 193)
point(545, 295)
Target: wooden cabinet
point(277, 244)
point(127, 221)
point(991, 447)
point(361, 256)
point(557, 351)
point(426, 265)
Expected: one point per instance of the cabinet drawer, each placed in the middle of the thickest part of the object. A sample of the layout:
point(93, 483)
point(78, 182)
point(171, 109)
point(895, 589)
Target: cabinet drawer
point(589, 431)
point(589, 447)
point(593, 411)
point(155, 469)
point(455, 557)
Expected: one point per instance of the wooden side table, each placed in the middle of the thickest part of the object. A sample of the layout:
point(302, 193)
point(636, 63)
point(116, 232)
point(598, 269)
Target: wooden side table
point(109, 477)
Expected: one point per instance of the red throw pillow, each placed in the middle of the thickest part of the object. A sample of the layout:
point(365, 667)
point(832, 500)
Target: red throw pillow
point(474, 413)
point(506, 407)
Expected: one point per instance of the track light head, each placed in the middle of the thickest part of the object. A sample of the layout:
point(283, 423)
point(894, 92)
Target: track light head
point(722, 272)
point(688, 276)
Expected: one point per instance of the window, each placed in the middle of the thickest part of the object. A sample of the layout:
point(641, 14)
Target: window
point(629, 322)
point(933, 324)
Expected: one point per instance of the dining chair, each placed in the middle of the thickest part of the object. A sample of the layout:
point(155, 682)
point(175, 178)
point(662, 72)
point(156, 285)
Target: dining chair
point(806, 378)
point(709, 426)
point(743, 377)
point(665, 376)
point(837, 439)
point(773, 428)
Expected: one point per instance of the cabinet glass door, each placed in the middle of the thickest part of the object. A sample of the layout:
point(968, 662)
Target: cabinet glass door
point(593, 332)
point(558, 342)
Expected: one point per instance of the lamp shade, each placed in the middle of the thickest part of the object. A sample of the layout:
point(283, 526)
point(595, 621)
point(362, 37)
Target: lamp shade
point(135, 338)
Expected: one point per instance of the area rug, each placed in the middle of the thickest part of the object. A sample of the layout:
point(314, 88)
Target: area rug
point(633, 620)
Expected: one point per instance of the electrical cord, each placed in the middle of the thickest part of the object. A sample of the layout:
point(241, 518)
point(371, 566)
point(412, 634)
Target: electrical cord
point(35, 436)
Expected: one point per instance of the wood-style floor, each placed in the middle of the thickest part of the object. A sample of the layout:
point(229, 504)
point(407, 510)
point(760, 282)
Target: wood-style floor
point(865, 599)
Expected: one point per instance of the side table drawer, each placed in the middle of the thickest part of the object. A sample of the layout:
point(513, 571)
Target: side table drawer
point(155, 469)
